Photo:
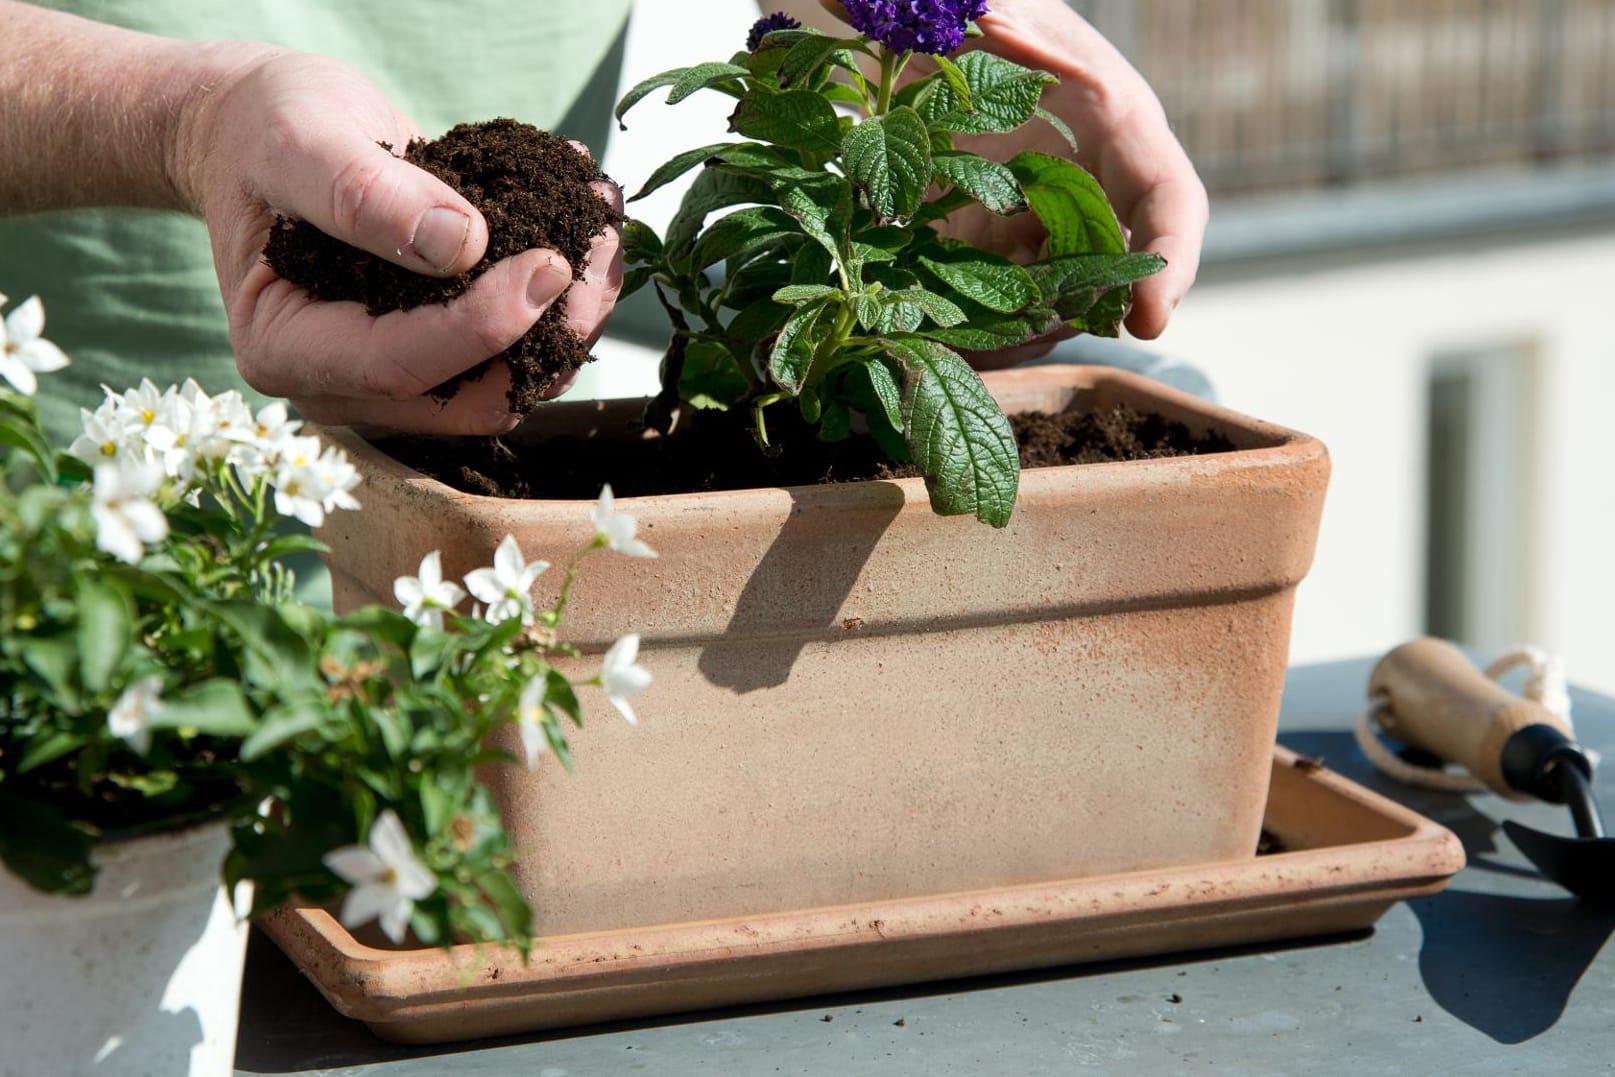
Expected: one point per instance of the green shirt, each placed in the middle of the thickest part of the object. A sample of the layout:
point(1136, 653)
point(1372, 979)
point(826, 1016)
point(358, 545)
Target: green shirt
point(132, 293)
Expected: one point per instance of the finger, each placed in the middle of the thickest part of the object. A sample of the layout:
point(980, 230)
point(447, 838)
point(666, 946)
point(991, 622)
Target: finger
point(591, 300)
point(1169, 221)
point(560, 385)
point(478, 408)
point(292, 346)
point(350, 187)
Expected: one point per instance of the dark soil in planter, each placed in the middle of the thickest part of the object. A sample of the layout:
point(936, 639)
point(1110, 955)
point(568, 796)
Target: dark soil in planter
point(533, 189)
point(713, 452)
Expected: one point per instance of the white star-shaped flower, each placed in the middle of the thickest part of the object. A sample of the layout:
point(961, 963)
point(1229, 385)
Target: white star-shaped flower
point(621, 678)
point(506, 586)
point(125, 516)
point(617, 528)
point(130, 717)
point(387, 879)
point(427, 596)
point(311, 481)
point(530, 721)
point(23, 352)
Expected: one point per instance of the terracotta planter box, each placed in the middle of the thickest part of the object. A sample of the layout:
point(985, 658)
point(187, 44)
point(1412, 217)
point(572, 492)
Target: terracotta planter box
point(858, 701)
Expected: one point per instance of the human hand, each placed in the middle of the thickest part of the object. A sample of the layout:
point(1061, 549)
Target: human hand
point(293, 134)
point(1122, 138)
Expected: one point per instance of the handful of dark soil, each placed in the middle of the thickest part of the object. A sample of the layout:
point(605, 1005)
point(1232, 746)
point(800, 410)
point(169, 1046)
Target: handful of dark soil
point(532, 188)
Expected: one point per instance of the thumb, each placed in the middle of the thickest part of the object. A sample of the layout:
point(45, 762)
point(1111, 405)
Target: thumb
point(355, 190)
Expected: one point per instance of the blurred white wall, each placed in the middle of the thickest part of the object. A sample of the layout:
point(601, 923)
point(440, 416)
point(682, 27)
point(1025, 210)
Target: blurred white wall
point(1344, 354)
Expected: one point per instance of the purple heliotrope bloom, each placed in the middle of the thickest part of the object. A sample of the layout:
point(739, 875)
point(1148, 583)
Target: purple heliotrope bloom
point(934, 26)
point(767, 25)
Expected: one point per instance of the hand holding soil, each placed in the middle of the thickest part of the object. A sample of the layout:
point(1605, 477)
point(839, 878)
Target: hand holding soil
point(301, 137)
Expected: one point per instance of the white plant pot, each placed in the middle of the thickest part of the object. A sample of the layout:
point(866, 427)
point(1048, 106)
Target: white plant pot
point(142, 976)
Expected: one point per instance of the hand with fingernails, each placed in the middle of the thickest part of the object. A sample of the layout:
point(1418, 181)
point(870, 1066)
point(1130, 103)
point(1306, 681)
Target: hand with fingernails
point(294, 134)
point(1122, 137)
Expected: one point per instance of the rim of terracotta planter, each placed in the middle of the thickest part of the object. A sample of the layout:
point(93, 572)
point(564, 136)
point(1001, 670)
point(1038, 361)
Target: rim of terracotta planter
point(1016, 389)
point(1280, 475)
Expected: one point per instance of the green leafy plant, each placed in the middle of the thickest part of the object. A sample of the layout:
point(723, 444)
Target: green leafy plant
point(157, 670)
point(829, 287)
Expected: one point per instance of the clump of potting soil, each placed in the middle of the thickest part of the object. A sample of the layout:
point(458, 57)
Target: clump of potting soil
point(533, 189)
point(1105, 434)
point(715, 452)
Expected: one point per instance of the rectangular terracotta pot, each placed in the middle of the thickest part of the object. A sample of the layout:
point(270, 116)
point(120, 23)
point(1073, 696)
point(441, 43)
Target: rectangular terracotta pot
point(856, 700)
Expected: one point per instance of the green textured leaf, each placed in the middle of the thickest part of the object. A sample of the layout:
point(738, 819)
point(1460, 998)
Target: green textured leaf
point(792, 354)
point(989, 330)
point(1060, 126)
point(956, 82)
point(1070, 203)
point(956, 433)
point(1073, 283)
point(1003, 95)
point(940, 309)
point(823, 209)
point(868, 309)
point(993, 281)
point(1104, 317)
point(988, 182)
point(640, 243)
point(889, 158)
point(701, 76)
point(899, 313)
point(679, 165)
point(741, 231)
point(712, 190)
point(106, 629)
point(807, 56)
point(800, 119)
point(883, 382)
point(644, 89)
point(802, 293)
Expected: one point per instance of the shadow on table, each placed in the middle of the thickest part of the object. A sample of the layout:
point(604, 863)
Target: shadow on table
point(1507, 966)
point(1504, 964)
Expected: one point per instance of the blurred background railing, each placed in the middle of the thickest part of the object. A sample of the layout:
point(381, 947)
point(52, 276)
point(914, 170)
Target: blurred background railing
point(1271, 94)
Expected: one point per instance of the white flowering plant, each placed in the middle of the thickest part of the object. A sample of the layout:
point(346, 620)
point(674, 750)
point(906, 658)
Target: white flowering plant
point(157, 669)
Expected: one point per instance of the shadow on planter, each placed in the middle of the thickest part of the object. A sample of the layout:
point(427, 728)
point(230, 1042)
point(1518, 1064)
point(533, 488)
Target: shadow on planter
point(805, 580)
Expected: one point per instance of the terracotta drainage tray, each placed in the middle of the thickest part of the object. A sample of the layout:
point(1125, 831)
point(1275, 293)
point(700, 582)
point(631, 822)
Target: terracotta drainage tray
point(1349, 854)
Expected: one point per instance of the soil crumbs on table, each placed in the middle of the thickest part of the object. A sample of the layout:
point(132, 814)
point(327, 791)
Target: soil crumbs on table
point(713, 452)
point(533, 190)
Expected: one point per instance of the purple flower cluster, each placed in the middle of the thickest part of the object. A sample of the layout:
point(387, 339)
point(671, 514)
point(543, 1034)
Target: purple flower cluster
point(767, 25)
point(933, 26)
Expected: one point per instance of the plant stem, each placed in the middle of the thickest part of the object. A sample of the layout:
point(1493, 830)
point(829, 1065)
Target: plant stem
point(759, 429)
point(888, 76)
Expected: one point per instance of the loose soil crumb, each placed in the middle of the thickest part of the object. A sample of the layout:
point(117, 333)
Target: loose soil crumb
point(1269, 844)
point(713, 452)
point(532, 188)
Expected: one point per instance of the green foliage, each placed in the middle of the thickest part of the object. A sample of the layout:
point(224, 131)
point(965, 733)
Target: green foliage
point(830, 285)
point(180, 682)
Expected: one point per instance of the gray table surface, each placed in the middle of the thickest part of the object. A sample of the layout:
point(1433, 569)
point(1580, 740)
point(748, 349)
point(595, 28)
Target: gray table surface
point(1501, 973)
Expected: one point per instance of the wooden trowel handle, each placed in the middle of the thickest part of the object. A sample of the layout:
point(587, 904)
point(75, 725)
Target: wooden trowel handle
point(1440, 702)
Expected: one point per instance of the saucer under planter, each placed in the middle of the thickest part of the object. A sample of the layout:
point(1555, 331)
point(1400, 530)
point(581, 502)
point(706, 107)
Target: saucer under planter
point(859, 701)
point(141, 976)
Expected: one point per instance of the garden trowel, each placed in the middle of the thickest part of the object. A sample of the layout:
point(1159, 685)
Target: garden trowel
point(1438, 701)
